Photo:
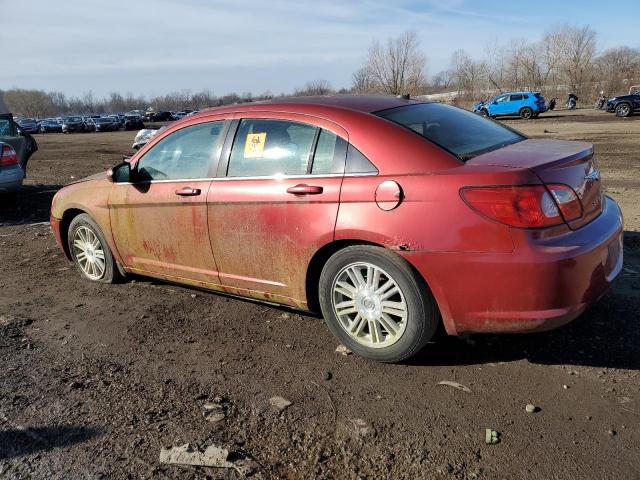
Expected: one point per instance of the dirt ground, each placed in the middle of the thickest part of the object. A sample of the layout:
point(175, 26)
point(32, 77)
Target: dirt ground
point(95, 380)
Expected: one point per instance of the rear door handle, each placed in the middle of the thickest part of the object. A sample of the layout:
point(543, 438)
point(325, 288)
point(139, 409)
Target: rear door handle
point(304, 189)
point(188, 192)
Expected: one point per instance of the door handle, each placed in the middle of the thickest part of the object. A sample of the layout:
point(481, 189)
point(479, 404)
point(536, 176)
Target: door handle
point(304, 189)
point(188, 192)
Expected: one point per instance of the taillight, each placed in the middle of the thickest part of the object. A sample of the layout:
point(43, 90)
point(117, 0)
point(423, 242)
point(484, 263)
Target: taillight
point(525, 206)
point(567, 201)
point(8, 156)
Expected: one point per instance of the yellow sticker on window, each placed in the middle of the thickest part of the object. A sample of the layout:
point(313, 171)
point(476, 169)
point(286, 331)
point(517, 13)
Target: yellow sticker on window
point(254, 146)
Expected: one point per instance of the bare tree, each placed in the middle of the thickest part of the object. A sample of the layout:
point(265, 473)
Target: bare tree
point(442, 81)
point(3, 106)
point(579, 49)
point(28, 103)
point(363, 81)
point(314, 87)
point(617, 68)
point(398, 67)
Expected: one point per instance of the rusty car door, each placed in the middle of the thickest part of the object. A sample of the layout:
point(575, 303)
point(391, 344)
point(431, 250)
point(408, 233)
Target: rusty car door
point(275, 202)
point(159, 219)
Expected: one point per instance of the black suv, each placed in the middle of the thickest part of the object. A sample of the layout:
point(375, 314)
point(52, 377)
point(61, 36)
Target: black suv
point(624, 105)
point(73, 124)
point(133, 122)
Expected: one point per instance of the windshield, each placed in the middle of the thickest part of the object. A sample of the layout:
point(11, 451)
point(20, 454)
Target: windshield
point(458, 131)
point(74, 119)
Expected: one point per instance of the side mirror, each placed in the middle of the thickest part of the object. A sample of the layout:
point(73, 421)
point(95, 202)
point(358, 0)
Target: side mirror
point(121, 173)
point(495, 102)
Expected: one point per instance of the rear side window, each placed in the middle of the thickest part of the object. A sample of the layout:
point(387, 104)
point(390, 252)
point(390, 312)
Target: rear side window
point(185, 154)
point(516, 98)
point(329, 155)
point(357, 162)
point(265, 147)
point(458, 131)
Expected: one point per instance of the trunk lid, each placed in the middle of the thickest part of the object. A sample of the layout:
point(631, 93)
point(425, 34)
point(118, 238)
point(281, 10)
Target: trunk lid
point(555, 161)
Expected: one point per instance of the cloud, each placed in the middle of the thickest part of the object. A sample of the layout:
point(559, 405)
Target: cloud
point(81, 45)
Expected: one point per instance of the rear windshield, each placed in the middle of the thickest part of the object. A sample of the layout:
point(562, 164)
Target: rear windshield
point(458, 131)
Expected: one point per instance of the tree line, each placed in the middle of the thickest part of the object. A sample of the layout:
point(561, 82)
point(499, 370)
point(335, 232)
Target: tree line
point(566, 59)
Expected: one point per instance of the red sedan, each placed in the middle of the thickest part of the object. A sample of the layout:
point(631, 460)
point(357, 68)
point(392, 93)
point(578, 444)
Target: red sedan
point(390, 216)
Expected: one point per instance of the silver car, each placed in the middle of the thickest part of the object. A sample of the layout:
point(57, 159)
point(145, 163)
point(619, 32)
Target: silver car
point(16, 147)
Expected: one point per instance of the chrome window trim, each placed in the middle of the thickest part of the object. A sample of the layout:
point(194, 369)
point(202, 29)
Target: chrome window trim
point(270, 177)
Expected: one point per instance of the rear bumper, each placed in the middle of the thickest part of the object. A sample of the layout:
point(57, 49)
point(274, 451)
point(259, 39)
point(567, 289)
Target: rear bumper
point(542, 284)
point(11, 178)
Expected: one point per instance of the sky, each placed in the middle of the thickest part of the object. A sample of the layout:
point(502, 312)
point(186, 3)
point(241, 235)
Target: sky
point(153, 47)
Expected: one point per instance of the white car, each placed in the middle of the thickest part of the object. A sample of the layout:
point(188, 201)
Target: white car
point(143, 136)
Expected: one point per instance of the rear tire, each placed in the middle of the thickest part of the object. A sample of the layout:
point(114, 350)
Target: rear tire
point(623, 110)
point(90, 251)
point(526, 113)
point(389, 315)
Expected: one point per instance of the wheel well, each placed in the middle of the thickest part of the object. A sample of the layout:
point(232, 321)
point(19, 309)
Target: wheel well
point(320, 258)
point(315, 268)
point(67, 217)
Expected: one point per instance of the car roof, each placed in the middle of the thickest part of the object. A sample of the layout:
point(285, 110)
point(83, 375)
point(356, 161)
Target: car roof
point(522, 92)
point(358, 103)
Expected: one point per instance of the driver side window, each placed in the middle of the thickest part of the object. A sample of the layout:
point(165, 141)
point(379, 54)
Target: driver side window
point(185, 154)
point(504, 98)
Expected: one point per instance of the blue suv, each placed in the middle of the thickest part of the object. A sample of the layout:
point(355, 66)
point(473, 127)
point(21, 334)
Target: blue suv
point(524, 104)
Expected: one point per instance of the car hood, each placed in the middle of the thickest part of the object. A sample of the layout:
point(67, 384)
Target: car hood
point(623, 97)
point(96, 176)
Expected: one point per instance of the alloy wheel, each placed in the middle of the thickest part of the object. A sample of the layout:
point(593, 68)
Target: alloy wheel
point(623, 110)
point(369, 305)
point(89, 253)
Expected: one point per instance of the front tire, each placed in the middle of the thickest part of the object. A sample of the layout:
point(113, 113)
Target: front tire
point(623, 110)
point(375, 304)
point(90, 252)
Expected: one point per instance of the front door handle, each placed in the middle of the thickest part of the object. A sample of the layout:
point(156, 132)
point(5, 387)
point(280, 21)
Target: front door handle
point(304, 189)
point(188, 192)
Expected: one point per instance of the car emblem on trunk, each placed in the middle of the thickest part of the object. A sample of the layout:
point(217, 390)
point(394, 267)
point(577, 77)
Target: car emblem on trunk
point(594, 174)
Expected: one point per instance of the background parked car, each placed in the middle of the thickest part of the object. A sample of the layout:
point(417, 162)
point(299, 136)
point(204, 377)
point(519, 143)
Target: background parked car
point(106, 124)
point(624, 105)
point(89, 125)
point(28, 125)
point(143, 136)
point(50, 125)
point(73, 124)
point(523, 104)
point(16, 147)
point(133, 122)
point(163, 116)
